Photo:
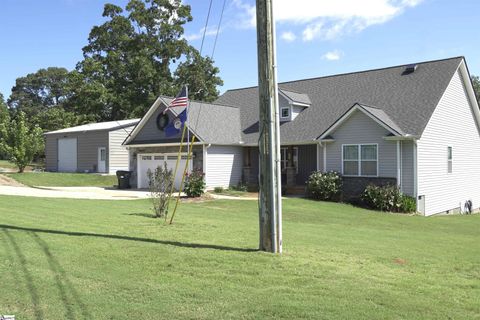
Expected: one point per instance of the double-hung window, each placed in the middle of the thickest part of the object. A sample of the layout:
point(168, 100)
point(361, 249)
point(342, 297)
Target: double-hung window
point(360, 160)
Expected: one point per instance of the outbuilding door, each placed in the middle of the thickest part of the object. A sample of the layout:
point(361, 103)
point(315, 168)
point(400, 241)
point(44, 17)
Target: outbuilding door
point(67, 154)
point(152, 161)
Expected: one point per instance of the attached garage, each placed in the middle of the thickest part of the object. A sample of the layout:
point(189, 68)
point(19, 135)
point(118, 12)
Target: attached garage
point(150, 161)
point(95, 147)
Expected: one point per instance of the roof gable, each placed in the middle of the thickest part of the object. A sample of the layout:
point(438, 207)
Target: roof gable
point(210, 123)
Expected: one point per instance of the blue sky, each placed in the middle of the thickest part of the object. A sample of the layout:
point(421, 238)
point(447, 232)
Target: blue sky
point(314, 38)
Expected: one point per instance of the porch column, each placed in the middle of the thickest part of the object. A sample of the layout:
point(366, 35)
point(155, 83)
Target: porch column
point(399, 165)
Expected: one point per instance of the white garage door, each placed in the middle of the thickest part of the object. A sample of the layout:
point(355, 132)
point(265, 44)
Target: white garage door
point(67, 154)
point(152, 161)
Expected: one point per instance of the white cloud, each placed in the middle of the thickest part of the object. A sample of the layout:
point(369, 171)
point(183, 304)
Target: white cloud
point(328, 20)
point(246, 14)
point(195, 36)
point(333, 55)
point(288, 36)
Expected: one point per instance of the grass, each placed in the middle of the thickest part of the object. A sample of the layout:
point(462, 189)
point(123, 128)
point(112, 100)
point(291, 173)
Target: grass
point(236, 193)
point(89, 259)
point(5, 164)
point(55, 179)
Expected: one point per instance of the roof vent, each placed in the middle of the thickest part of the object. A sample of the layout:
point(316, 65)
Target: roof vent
point(410, 69)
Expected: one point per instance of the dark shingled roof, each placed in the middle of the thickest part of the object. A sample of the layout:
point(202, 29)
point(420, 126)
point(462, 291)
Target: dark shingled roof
point(297, 97)
point(212, 123)
point(406, 100)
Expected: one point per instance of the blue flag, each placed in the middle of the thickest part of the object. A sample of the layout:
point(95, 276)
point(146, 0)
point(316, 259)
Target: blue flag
point(176, 126)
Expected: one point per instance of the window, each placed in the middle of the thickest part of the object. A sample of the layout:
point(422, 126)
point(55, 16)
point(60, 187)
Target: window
point(284, 158)
point(146, 157)
point(285, 112)
point(360, 160)
point(103, 154)
point(449, 159)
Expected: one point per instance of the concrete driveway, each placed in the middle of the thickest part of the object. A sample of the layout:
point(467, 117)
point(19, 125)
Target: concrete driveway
point(74, 192)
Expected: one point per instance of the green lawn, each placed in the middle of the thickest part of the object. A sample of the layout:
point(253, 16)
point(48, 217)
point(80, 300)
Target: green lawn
point(5, 164)
point(54, 179)
point(85, 259)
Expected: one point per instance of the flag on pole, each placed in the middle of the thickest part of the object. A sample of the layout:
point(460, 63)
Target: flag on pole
point(181, 100)
point(175, 126)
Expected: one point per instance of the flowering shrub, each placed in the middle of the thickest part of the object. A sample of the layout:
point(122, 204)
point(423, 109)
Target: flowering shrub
point(388, 198)
point(324, 186)
point(194, 184)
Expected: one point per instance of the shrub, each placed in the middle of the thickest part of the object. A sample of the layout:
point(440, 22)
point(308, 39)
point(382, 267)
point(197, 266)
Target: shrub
point(218, 189)
point(240, 187)
point(160, 184)
point(194, 184)
point(324, 186)
point(387, 198)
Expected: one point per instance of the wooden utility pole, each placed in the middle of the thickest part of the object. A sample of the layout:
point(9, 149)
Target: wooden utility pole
point(270, 205)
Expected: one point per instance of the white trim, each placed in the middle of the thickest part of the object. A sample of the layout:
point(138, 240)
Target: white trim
point(471, 93)
point(399, 165)
point(415, 172)
point(347, 115)
point(289, 108)
point(160, 145)
point(318, 157)
point(360, 159)
point(324, 157)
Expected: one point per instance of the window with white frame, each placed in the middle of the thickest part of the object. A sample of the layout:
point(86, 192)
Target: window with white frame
point(285, 112)
point(449, 159)
point(284, 158)
point(360, 160)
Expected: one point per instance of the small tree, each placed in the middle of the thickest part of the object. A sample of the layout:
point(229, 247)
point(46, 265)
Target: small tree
point(160, 184)
point(19, 142)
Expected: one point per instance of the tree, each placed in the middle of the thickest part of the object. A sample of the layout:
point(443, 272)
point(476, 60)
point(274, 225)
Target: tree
point(19, 142)
point(201, 76)
point(4, 121)
point(36, 92)
point(476, 87)
point(129, 60)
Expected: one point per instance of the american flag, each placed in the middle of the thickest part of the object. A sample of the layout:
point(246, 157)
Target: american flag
point(181, 100)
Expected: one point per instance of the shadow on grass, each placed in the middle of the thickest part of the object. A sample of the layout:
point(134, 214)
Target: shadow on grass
point(142, 214)
point(112, 236)
point(69, 295)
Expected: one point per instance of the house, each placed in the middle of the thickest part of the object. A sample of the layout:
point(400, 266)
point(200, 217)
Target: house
point(415, 126)
point(95, 147)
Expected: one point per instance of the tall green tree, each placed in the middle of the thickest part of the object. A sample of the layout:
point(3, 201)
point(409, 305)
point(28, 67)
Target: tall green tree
point(476, 87)
point(129, 60)
point(38, 91)
point(4, 121)
point(21, 143)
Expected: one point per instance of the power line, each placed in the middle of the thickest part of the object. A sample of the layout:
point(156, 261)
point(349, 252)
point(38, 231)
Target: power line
point(218, 29)
point(206, 25)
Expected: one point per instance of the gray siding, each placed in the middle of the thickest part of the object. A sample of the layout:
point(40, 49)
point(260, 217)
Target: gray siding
point(407, 168)
point(151, 134)
point(87, 149)
point(51, 152)
point(307, 162)
point(359, 129)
